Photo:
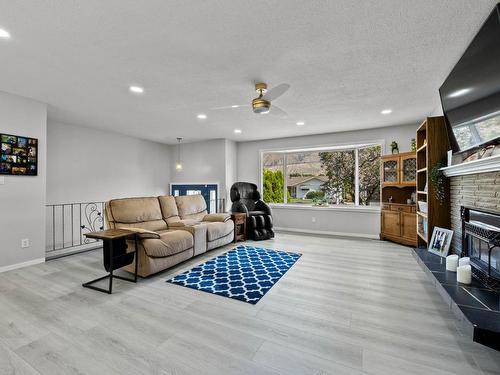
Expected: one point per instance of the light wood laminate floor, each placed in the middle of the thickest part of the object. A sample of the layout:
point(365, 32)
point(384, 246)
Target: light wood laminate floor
point(346, 307)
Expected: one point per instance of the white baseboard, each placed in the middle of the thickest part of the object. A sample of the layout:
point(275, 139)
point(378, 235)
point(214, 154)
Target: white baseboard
point(21, 265)
point(328, 233)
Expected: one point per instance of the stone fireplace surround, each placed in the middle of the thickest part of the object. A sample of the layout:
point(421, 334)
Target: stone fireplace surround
point(480, 190)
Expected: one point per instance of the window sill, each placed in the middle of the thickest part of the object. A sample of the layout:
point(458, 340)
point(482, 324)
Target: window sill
point(366, 209)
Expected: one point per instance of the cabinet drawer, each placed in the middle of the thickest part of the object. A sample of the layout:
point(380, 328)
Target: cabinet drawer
point(403, 208)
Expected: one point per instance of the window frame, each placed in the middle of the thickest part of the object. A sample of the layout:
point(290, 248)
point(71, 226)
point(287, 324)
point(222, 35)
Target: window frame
point(349, 146)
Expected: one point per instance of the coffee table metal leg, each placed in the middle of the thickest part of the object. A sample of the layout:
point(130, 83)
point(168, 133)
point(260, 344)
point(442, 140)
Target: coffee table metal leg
point(110, 267)
point(136, 258)
point(110, 275)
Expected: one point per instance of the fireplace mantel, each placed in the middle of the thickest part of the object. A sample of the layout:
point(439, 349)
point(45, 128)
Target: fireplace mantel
point(491, 164)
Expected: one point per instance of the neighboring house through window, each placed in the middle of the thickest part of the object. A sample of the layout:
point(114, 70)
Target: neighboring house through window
point(336, 175)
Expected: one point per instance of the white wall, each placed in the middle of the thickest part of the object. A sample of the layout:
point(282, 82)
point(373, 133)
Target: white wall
point(363, 221)
point(22, 198)
point(86, 164)
point(202, 162)
point(231, 168)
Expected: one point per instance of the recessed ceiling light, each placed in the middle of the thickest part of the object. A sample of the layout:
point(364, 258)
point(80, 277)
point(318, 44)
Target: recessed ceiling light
point(300, 123)
point(136, 89)
point(459, 93)
point(386, 111)
point(202, 116)
point(237, 131)
point(235, 106)
point(4, 34)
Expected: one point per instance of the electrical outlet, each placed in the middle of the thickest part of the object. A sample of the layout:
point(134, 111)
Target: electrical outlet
point(25, 243)
point(313, 219)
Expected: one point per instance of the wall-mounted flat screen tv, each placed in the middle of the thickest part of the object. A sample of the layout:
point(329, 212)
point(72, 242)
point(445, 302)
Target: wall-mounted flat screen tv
point(470, 96)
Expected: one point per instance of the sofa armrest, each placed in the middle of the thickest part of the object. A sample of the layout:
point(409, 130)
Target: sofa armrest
point(144, 233)
point(183, 223)
point(217, 217)
point(199, 233)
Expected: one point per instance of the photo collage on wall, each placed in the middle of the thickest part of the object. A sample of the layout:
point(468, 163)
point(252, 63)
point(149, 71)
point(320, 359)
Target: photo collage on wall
point(18, 155)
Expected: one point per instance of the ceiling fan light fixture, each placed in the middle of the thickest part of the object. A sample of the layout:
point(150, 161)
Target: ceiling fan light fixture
point(261, 105)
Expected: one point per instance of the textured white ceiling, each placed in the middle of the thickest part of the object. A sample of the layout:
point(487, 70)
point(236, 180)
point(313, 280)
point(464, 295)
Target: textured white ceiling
point(345, 61)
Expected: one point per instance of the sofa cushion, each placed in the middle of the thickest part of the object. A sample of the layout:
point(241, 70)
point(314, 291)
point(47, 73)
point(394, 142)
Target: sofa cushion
point(135, 210)
point(191, 206)
point(216, 230)
point(142, 213)
point(171, 242)
point(169, 208)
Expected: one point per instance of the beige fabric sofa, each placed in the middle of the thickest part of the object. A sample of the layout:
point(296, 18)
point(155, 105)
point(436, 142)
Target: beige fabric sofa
point(191, 210)
point(172, 229)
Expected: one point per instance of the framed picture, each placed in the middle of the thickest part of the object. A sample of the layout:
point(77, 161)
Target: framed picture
point(440, 241)
point(18, 155)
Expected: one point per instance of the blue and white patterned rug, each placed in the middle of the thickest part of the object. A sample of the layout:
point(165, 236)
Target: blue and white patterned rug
point(245, 273)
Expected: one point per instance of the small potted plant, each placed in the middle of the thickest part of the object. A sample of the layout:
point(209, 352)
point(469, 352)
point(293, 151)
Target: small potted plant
point(394, 148)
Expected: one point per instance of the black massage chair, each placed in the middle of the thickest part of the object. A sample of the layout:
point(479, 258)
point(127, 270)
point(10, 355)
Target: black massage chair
point(246, 198)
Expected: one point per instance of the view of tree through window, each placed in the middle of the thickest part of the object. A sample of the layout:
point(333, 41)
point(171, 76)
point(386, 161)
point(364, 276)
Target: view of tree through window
point(323, 177)
point(369, 175)
point(272, 179)
point(340, 170)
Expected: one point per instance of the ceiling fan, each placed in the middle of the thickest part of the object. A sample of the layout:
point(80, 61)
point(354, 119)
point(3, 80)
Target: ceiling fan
point(262, 104)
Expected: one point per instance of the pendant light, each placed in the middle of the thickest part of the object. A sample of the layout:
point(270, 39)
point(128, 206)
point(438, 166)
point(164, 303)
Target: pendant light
point(178, 163)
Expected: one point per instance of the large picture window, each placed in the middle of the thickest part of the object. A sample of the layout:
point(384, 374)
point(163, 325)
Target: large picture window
point(319, 177)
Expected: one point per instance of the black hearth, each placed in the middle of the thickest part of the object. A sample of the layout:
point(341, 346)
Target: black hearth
point(481, 242)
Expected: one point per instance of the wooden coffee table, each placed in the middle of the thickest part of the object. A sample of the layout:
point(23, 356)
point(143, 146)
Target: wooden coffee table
point(115, 255)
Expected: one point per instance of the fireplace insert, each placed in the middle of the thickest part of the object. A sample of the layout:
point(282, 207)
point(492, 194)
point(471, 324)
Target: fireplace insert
point(481, 242)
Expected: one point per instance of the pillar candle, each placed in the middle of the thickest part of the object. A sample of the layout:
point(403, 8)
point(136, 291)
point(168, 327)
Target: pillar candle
point(464, 261)
point(464, 274)
point(452, 263)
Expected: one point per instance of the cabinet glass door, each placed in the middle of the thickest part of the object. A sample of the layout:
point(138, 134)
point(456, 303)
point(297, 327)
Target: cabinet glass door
point(408, 170)
point(390, 171)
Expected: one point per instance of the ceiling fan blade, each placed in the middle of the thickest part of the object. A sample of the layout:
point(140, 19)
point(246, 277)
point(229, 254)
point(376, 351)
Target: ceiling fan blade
point(276, 91)
point(234, 106)
point(277, 111)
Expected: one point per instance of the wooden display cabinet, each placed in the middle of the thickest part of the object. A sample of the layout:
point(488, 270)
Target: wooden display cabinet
point(399, 170)
point(398, 181)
